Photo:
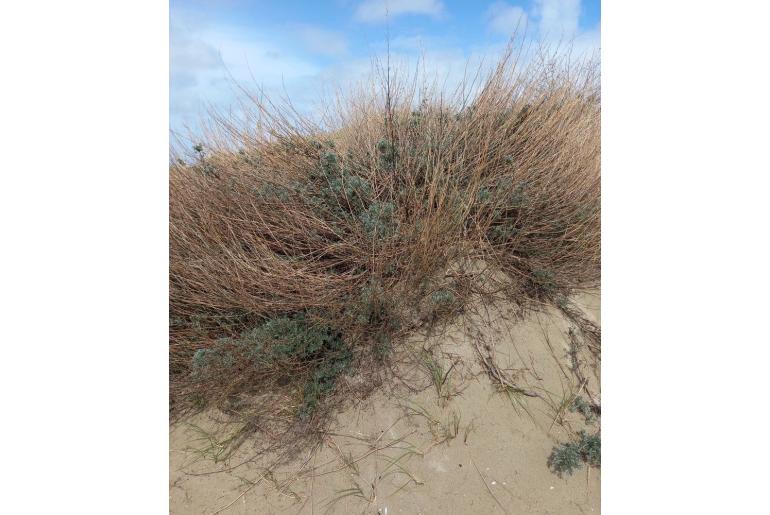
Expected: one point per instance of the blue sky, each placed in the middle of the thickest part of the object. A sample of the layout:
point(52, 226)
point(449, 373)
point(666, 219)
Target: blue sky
point(306, 48)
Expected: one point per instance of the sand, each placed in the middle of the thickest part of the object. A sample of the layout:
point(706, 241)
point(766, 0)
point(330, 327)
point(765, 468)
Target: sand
point(388, 455)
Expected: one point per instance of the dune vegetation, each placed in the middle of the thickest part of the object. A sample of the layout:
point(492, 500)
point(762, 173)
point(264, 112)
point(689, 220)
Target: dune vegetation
point(303, 252)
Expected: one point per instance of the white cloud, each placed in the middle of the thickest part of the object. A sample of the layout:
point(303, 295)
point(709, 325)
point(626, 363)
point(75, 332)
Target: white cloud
point(586, 43)
point(206, 56)
point(205, 60)
point(554, 23)
point(379, 10)
point(446, 70)
point(323, 42)
point(559, 27)
point(506, 19)
point(188, 53)
point(558, 18)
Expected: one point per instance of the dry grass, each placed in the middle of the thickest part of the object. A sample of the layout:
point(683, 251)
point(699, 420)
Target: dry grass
point(301, 252)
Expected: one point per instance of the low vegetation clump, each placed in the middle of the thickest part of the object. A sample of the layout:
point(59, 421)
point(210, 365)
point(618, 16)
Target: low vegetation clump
point(568, 457)
point(579, 405)
point(302, 251)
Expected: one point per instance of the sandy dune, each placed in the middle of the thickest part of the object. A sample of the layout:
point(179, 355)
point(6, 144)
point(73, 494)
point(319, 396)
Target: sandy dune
point(467, 447)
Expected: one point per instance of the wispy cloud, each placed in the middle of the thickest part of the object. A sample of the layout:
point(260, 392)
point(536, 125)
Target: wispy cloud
point(558, 18)
point(323, 42)
point(204, 62)
point(505, 19)
point(375, 11)
point(559, 25)
point(552, 22)
point(305, 62)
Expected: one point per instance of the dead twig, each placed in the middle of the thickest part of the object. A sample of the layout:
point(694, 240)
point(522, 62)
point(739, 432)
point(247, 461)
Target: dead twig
point(495, 373)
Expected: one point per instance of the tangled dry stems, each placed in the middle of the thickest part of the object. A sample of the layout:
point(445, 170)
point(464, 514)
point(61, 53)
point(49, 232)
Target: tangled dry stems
point(300, 253)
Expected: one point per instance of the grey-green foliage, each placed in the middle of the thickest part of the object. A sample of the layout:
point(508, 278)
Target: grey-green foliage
point(374, 308)
point(544, 278)
point(330, 164)
point(219, 356)
point(514, 196)
point(502, 232)
point(565, 459)
point(368, 305)
point(505, 197)
point(378, 219)
point(283, 340)
point(352, 189)
point(290, 337)
point(591, 448)
point(322, 380)
point(518, 198)
point(337, 191)
point(388, 154)
point(568, 457)
point(584, 212)
point(252, 159)
point(203, 358)
point(345, 195)
point(203, 165)
point(296, 338)
point(415, 119)
point(384, 145)
point(442, 298)
point(579, 405)
point(484, 194)
point(271, 192)
point(382, 345)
